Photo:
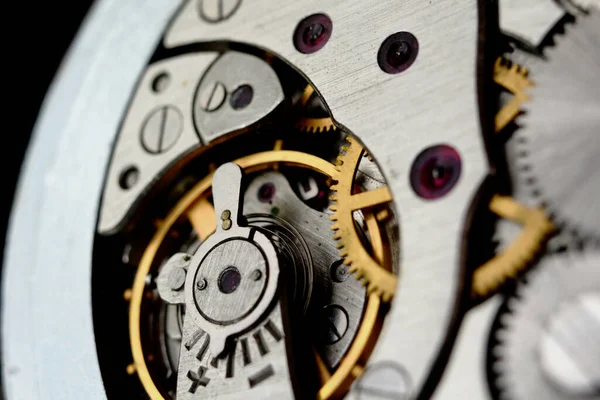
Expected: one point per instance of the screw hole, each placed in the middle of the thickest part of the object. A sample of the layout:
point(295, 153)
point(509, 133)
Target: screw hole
point(129, 177)
point(398, 52)
point(160, 82)
point(241, 97)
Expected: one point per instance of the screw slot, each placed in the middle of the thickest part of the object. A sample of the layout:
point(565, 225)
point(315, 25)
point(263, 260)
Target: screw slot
point(312, 33)
point(398, 52)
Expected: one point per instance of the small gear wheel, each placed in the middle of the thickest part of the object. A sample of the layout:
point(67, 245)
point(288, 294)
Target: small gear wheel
point(544, 342)
point(513, 78)
point(364, 265)
point(557, 148)
point(319, 121)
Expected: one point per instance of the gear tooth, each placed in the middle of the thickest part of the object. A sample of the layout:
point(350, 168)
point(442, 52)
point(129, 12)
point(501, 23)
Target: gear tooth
point(337, 235)
point(343, 252)
point(335, 227)
point(345, 148)
point(333, 197)
point(339, 245)
point(333, 217)
point(352, 268)
point(333, 207)
point(334, 188)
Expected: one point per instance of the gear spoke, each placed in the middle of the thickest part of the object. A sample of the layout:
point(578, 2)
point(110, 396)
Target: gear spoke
point(362, 264)
point(536, 230)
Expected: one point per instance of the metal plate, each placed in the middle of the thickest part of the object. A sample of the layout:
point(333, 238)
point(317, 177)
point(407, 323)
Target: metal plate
point(47, 336)
point(147, 106)
point(392, 115)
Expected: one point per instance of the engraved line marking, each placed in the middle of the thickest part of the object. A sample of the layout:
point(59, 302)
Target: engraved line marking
point(251, 234)
point(263, 349)
point(261, 375)
point(194, 339)
point(203, 349)
point(230, 362)
point(163, 126)
point(214, 362)
point(246, 352)
point(273, 330)
point(198, 379)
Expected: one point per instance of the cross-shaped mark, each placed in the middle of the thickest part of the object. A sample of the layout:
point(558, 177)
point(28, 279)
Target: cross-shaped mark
point(198, 379)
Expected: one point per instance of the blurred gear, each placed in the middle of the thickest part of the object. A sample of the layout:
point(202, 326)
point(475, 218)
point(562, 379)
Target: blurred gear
point(536, 228)
point(513, 78)
point(560, 128)
point(545, 342)
point(366, 268)
point(314, 124)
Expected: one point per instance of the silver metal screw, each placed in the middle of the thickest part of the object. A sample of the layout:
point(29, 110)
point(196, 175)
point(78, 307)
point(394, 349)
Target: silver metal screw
point(386, 380)
point(335, 319)
point(201, 284)
point(177, 279)
point(162, 129)
point(218, 10)
point(212, 96)
point(256, 275)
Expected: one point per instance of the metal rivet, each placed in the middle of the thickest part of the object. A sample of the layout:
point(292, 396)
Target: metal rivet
point(256, 275)
point(201, 284)
point(226, 214)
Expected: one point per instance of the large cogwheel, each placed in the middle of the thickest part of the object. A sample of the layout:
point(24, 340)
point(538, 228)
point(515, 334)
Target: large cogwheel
point(347, 201)
point(544, 342)
point(557, 147)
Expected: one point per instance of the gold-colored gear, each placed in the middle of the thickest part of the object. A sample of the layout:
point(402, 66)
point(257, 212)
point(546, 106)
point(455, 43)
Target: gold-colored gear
point(198, 210)
point(314, 125)
point(513, 78)
point(365, 267)
point(537, 228)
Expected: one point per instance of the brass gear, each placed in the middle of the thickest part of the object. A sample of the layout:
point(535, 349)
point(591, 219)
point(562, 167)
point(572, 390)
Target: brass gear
point(313, 125)
point(200, 213)
point(537, 228)
point(512, 77)
point(365, 267)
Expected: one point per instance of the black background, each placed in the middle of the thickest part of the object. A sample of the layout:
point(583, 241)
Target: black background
point(35, 44)
point(35, 38)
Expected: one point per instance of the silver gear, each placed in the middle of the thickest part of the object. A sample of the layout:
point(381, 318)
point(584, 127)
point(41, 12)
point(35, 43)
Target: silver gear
point(560, 127)
point(540, 326)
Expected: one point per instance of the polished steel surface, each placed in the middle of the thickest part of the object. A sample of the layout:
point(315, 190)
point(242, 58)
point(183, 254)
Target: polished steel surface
point(366, 101)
